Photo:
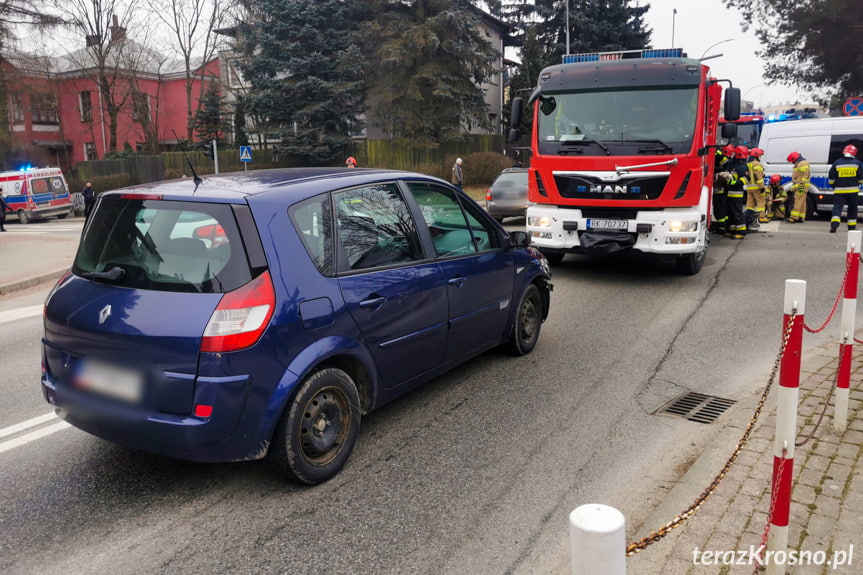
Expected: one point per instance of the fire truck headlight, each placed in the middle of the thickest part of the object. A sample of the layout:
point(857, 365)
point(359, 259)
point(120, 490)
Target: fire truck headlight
point(679, 226)
point(539, 222)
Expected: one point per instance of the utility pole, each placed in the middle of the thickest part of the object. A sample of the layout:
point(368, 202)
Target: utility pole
point(216, 156)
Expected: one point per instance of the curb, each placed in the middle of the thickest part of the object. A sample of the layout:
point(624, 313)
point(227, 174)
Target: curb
point(30, 282)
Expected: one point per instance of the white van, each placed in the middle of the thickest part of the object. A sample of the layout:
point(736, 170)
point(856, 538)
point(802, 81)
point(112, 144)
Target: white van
point(819, 140)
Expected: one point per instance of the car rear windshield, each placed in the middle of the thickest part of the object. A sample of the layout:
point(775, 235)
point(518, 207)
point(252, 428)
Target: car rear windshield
point(512, 178)
point(164, 245)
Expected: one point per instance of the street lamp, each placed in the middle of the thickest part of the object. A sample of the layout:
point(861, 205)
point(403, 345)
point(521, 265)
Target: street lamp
point(673, 18)
point(714, 45)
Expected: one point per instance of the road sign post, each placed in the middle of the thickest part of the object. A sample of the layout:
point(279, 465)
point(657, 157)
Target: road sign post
point(245, 156)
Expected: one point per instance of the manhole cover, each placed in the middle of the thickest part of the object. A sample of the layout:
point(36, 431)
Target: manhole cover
point(696, 407)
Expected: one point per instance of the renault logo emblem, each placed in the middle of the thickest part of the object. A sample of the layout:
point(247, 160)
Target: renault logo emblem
point(105, 314)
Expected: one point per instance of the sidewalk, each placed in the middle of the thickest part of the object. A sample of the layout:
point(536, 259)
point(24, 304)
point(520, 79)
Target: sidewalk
point(33, 253)
point(827, 497)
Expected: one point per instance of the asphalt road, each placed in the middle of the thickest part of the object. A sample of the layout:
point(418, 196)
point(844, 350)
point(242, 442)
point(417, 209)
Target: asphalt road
point(476, 472)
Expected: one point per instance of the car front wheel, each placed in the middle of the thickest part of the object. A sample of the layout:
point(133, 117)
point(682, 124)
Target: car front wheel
point(318, 429)
point(528, 320)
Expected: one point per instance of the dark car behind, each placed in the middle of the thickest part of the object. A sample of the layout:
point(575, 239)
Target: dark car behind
point(507, 196)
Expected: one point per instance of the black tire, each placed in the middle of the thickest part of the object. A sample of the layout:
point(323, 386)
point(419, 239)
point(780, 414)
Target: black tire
point(318, 428)
point(691, 264)
point(23, 217)
point(811, 207)
point(554, 258)
point(527, 323)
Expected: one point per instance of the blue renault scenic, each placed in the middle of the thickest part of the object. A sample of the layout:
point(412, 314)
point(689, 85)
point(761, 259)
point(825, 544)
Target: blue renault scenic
point(263, 313)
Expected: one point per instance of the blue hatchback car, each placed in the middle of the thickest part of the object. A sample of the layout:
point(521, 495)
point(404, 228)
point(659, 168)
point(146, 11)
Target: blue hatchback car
point(263, 313)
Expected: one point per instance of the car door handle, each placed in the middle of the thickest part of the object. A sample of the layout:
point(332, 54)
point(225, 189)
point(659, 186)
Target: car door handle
point(374, 302)
point(457, 281)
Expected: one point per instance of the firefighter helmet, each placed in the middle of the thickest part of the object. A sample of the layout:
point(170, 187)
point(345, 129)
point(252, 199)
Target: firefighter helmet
point(756, 152)
point(728, 150)
point(741, 152)
point(775, 179)
point(793, 157)
point(351, 161)
point(850, 149)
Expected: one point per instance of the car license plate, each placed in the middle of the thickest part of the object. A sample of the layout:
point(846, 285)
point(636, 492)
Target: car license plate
point(110, 380)
point(595, 224)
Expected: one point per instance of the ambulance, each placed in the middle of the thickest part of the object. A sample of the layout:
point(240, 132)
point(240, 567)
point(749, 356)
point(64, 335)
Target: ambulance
point(36, 193)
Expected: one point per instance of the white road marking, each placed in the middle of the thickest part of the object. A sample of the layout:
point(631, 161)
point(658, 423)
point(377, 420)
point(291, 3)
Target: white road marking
point(32, 436)
point(20, 313)
point(13, 429)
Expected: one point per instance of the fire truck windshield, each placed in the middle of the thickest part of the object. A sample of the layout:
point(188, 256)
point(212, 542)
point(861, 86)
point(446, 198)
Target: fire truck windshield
point(618, 122)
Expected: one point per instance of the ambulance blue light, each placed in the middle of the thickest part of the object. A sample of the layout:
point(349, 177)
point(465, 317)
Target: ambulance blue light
point(27, 168)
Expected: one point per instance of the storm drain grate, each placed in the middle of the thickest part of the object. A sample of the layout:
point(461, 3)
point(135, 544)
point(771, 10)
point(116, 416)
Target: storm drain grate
point(696, 407)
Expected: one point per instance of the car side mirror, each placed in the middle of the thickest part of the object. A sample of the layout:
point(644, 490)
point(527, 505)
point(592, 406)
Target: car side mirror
point(519, 239)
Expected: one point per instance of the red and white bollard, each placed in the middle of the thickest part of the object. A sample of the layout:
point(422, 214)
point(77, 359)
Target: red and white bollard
point(846, 333)
point(597, 536)
point(786, 422)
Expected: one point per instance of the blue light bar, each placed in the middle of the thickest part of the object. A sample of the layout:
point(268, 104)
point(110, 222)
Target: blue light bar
point(623, 55)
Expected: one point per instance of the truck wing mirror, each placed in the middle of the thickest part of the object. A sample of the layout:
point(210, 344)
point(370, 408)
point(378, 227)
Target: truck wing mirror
point(732, 104)
point(515, 119)
point(729, 131)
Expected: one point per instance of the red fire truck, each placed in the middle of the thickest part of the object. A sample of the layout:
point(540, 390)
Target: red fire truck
point(622, 148)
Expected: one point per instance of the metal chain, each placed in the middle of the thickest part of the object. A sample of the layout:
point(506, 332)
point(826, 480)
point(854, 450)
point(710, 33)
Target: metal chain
point(805, 440)
point(838, 297)
point(773, 497)
point(654, 536)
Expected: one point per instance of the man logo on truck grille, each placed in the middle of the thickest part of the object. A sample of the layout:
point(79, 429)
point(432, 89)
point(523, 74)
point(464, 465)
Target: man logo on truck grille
point(607, 189)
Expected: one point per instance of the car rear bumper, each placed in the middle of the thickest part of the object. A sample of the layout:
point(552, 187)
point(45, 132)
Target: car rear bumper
point(219, 437)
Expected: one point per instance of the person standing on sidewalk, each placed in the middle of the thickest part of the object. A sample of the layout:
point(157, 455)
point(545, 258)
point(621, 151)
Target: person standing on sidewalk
point(3, 207)
point(846, 177)
point(800, 186)
point(89, 195)
point(457, 173)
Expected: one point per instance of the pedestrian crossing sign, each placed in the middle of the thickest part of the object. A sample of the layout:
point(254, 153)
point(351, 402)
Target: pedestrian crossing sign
point(245, 153)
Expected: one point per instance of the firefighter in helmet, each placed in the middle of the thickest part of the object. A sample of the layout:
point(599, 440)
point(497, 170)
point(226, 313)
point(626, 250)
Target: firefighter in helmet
point(351, 162)
point(735, 191)
point(721, 175)
point(777, 197)
point(799, 185)
point(846, 177)
point(756, 198)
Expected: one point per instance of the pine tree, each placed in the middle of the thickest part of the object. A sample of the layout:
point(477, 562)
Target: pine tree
point(428, 59)
point(594, 25)
point(305, 73)
point(209, 119)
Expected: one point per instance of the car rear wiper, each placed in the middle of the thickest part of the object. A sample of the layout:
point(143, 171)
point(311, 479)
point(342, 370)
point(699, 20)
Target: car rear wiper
point(586, 141)
point(113, 274)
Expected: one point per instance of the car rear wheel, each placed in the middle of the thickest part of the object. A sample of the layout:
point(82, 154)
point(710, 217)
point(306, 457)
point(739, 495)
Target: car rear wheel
point(318, 429)
point(528, 320)
point(23, 217)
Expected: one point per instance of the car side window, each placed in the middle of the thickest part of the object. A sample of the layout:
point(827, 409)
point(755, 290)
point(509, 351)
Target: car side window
point(375, 228)
point(312, 220)
point(454, 231)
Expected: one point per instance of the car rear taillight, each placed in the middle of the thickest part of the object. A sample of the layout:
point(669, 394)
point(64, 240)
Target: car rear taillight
point(213, 232)
point(488, 195)
point(241, 316)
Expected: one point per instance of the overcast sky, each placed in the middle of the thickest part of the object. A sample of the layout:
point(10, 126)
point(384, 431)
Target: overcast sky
point(698, 25)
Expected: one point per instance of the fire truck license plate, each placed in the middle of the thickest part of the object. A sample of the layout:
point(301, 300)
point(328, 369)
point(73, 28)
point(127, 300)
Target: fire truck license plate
point(594, 224)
